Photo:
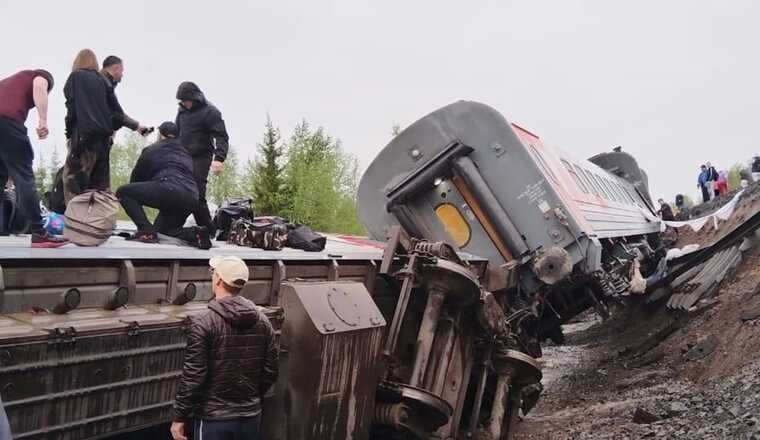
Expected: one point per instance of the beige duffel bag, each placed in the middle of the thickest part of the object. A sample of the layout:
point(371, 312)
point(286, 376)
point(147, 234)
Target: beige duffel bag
point(91, 218)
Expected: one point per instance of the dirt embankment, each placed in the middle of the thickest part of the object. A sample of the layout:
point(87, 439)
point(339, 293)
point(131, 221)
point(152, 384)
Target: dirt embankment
point(649, 372)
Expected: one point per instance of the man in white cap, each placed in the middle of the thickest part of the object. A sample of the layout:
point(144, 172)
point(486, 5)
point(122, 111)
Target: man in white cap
point(230, 362)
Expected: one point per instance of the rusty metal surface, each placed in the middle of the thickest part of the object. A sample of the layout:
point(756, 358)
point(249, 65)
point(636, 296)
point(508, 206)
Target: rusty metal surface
point(91, 373)
point(331, 342)
point(90, 347)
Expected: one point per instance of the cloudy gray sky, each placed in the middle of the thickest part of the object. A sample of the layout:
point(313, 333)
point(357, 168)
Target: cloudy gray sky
point(675, 83)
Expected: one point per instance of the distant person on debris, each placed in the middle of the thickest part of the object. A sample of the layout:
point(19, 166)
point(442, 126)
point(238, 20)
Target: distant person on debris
point(203, 134)
point(682, 213)
point(163, 179)
point(113, 71)
point(702, 183)
point(755, 169)
point(712, 180)
point(91, 108)
point(721, 185)
point(230, 362)
point(665, 212)
point(18, 94)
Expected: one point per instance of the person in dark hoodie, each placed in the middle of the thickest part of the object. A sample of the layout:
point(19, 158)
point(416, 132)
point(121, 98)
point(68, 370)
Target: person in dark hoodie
point(163, 179)
point(230, 362)
point(202, 132)
point(113, 71)
point(91, 108)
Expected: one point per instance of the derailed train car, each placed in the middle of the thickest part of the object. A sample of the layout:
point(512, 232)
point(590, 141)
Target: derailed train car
point(561, 233)
point(492, 239)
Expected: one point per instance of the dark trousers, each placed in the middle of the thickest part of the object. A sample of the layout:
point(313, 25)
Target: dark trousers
point(16, 161)
point(705, 194)
point(248, 428)
point(173, 203)
point(201, 165)
point(88, 166)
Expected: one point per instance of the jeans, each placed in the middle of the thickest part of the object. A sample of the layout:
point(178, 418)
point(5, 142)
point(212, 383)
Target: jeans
point(247, 428)
point(705, 193)
point(201, 165)
point(173, 203)
point(16, 159)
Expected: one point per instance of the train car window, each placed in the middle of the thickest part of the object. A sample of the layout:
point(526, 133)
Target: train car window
point(622, 192)
point(594, 186)
point(582, 176)
point(575, 176)
point(609, 190)
point(605, 193)
point(614, 193)
point(454, 223)
point(630, 196)
point(542, 163)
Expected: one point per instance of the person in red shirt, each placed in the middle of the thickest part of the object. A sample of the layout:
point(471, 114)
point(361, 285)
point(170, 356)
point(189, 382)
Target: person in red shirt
point(721, 185)
point(18, 94)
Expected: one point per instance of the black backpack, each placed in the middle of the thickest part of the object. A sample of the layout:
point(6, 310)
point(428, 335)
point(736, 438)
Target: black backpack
point(302, 237)
point(232, 209)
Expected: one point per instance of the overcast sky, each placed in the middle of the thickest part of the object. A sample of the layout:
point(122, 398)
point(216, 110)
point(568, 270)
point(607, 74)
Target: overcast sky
point(675, 83)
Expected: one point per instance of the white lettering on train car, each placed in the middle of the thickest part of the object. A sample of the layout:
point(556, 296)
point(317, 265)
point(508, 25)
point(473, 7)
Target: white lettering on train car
point(534, 192)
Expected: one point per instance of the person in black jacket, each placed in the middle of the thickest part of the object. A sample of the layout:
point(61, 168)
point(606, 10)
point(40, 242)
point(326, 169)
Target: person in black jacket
point(113, 71)
point(231, 361)
point(202, 132)
point(163, 178)
point(91, 108)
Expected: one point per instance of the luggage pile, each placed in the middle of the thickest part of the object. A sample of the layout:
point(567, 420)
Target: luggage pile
point(237, 225)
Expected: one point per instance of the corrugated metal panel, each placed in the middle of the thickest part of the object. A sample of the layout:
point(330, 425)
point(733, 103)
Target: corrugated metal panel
point(93, 372)
point(332, 341)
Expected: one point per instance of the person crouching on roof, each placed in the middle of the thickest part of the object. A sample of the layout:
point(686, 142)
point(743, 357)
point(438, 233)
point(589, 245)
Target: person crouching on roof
point(163, 179)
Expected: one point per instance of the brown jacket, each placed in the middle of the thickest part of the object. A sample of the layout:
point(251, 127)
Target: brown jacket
point(230, 362)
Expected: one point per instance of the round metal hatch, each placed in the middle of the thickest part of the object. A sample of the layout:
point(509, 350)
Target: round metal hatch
point(344, 307)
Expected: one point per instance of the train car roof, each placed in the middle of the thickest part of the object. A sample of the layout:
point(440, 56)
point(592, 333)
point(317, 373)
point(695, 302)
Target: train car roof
point(339, 247)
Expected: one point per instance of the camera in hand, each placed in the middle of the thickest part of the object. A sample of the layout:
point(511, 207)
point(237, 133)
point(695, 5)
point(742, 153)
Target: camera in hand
point(147, 130)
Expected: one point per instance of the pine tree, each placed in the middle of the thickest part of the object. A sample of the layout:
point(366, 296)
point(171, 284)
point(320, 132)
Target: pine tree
point(320, 182)
point(264, 176)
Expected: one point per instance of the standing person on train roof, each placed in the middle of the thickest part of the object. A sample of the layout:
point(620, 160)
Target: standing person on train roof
point(203, 133)
point(113, 71)
point(19, 93)
point(91, 108)
point(230, 362)
point(702, 183)
point(163, 179)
